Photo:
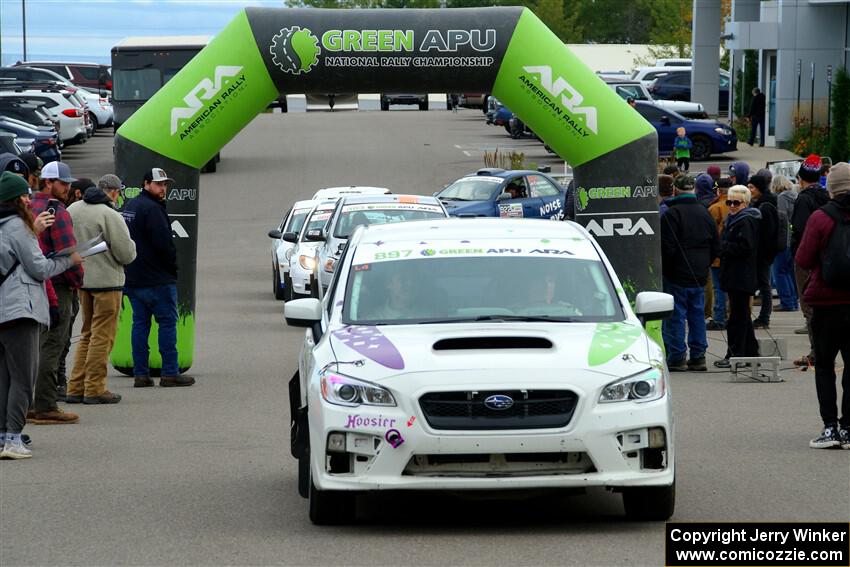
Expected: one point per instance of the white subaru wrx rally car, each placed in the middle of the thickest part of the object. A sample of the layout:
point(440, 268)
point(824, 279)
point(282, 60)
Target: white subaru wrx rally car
point(301, 278)
point(292, 222)
point(480, 354)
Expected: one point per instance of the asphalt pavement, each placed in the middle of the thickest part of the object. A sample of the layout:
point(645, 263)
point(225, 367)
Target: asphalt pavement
point(203, 475)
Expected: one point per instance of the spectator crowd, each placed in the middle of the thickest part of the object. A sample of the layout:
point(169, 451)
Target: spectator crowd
point(46, 283)
point(728, 240)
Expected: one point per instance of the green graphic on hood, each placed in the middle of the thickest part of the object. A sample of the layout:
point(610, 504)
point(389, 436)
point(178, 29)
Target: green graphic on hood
point(122, 353)
point(295, 50)
point(560, 98)
point(205, 105)
point(609, 340)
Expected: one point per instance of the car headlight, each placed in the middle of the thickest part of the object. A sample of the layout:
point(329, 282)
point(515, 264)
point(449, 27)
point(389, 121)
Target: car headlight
point(307, 262)
point(288, 254)
point(643, 387)
point(329, 265)
point(723, 131)
point(347, 391)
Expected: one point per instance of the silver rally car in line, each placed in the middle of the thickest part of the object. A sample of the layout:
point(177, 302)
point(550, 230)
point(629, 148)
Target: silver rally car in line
point(479, 354)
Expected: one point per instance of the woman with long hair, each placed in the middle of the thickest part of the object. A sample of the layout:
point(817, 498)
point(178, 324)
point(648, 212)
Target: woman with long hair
point(23, 307)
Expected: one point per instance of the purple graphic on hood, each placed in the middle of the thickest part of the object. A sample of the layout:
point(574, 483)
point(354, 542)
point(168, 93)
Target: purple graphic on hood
point(372, 344)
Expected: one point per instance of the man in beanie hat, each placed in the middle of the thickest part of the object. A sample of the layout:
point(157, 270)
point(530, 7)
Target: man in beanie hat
point(765, 201)
point(689, 244)
point(151, 282)
point(830, 304)
point(810, 198)
point(57, 183)
point(100, 295)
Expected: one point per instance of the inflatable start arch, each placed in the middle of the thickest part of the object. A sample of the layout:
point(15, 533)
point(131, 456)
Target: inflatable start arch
point(508, 52)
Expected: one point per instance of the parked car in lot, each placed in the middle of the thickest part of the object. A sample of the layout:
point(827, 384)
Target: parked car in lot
point(64, 106)
point(98, 106)
point(292, 222)
point(418, 99)
point(676, 85)
point(8, 144)
point(29, 137)
point(455, 356)
point(638, 91)
point(708, 136)
point(498, 114)
point(515, 193)
point(89, 75)
point(369, 210)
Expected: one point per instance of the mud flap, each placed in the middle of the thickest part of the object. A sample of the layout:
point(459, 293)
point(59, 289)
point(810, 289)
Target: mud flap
point(298, 433)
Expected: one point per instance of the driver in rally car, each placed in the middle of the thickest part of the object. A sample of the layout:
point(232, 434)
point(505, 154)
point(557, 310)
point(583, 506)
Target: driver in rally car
point(543, 293)
point(514, 189)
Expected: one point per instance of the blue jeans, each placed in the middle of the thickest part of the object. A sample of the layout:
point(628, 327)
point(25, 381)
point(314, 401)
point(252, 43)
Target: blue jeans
point(161, 303)
point(688, 306)
point(719, 314)
point(783, 278)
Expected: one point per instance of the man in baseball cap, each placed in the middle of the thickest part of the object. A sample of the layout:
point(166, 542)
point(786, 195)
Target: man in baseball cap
point(151, 282)
point(57, 170)
point(57, 184)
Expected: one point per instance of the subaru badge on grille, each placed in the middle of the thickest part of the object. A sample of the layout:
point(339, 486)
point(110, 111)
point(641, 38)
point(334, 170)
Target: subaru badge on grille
point(499, 402)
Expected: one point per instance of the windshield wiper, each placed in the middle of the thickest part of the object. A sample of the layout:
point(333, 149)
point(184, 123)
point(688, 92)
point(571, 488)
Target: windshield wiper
point(525, 318)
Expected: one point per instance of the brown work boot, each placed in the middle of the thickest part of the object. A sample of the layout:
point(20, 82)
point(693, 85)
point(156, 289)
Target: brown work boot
point(142, 382)
point(170, 381)
point(106, 397)
point(54, 416)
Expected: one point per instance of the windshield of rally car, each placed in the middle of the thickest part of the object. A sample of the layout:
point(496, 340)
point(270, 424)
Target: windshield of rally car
point(472, 189)
point(479, 288)
point(365, 214)
point(318, 220)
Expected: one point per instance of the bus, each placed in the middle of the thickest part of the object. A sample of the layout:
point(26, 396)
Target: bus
point(141, 65)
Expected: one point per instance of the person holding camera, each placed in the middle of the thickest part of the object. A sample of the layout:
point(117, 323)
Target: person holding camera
point(23, 307)
point(57, 180)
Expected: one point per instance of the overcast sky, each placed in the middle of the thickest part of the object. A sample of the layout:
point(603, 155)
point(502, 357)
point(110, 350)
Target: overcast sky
point(85, 30)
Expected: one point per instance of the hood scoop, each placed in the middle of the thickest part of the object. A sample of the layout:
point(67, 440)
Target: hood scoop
point(492, 343)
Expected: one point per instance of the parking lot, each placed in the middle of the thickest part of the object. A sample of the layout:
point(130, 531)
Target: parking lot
point(203, 475)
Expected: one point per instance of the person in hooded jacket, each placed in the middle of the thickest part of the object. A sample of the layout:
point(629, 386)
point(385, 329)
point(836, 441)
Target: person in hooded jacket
point(830, 312)
point(101, 292)
point(765, 201)
point(739, 173)
point(705, 190)
point(810, 198)
point(739, 247)
point(783, 264)
point(23, 307)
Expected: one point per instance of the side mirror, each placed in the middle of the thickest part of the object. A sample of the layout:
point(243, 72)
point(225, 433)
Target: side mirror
point(653, 306)
point(303, 312)
point(504, 197)
point(276, 234)
point(290, 237)
point(314, 235)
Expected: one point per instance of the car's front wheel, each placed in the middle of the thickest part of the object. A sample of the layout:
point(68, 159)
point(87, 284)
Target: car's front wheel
point(331, 507)
point(287, 287)
point(650, 504)
point(701, 148)
point(278, 292)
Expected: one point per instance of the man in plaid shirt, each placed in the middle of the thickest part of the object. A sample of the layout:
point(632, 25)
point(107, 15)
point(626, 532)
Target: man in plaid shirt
point(57, 182)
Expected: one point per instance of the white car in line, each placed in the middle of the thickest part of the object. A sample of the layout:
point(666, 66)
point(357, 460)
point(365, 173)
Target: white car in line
point(281, 250)
point(337, 192)
point(61, 104)
point(301, 278)
point(480, 354)
point(369, 210)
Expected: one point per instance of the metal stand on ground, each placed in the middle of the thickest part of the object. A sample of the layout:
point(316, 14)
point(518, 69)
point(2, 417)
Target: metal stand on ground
point(755, 365)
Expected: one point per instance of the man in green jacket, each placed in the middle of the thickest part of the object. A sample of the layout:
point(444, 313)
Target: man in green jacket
point(101, 293)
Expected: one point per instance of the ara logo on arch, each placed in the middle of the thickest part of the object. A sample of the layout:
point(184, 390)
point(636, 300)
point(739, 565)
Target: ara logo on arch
point(619, 227)
point(207, 96)
point(566, 93)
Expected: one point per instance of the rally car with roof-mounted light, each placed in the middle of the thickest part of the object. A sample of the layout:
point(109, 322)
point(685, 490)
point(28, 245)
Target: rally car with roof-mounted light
point(282, 249)
point(479, 354)
point(337, 192)
point(506, 194)
point(300, 278)
point(368, 210)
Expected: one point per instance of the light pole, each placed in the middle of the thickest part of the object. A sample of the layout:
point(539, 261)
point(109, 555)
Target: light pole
point(24, 12)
